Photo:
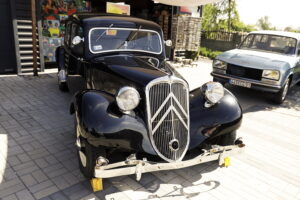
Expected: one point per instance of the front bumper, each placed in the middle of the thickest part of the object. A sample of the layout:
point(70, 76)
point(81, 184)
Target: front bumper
point(138, 167)
point(258, 85)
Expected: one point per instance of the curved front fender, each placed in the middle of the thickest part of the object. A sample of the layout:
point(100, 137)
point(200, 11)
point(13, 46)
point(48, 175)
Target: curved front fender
point(205, 123)
point(103, 124)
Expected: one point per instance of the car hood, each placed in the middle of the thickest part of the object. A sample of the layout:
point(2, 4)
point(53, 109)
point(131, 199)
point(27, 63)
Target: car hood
point(137, 69)
point(257, 59)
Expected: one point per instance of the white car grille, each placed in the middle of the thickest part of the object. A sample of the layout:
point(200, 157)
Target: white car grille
point(168, 117)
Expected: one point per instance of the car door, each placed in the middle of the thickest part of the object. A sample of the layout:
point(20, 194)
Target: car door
point(297, 67)
point(76, 76)
point(67, 45)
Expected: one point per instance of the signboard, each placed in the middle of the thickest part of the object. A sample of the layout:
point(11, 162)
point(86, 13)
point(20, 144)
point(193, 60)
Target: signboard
point(189, 3)
point(118, 8)
point(54, 13)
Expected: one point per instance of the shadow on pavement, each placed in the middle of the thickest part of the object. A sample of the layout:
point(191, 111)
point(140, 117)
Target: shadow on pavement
point(253, 101)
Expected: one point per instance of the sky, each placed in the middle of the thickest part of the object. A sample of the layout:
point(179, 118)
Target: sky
point(282, 13)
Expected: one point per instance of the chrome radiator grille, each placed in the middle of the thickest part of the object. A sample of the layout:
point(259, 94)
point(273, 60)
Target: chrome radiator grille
point(168, 117)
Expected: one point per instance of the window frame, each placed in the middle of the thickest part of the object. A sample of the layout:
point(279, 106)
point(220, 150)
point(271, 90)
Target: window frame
point(124, 50)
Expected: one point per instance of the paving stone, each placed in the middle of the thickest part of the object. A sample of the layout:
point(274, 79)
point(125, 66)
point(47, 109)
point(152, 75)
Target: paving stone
point(27, 147)
point(60, 182)
point(39, 176)
point(90, 197)
point(147, 178)
point(23, 157)
point(41, 162)
point(59, 196)
point(76, 191)
point(109, 190)
point(25, 168)
point(28, 180)
point(41, 186)
point(45, 192)
point(25, 195)
point(70, 178)
point(10, 174)
point(10, 197)
point(10, 187)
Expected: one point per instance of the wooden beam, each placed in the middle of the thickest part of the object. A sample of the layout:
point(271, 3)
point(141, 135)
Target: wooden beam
point(34, 42)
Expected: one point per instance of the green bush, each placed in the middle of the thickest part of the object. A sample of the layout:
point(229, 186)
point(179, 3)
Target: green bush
point(209, 53)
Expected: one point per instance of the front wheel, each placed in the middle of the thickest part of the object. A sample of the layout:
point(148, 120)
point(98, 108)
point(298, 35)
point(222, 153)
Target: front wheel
point(87, 156)
point(281, 95)
point(227, 139)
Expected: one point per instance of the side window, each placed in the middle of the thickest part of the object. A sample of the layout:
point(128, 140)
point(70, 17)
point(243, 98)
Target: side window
point(247, 42)
point(67, 33)
point(298, 50)
point(73, 33)
point(76, 30)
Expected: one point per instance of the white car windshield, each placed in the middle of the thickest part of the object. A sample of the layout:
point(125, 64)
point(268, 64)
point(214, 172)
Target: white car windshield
point(109, 39)
point(270, 43)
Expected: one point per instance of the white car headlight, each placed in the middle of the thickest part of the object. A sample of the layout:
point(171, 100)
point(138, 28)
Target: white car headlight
point(128, 98)
point(214, 92)
point(271, 74)
point(220, 64)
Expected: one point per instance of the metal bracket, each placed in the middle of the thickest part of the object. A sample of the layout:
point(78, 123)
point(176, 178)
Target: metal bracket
point(138, 171)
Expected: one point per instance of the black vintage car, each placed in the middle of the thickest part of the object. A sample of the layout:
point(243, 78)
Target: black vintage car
point(133, 112)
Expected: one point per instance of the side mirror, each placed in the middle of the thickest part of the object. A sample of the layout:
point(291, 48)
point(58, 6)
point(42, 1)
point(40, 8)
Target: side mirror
point(76, 40)
point(77, 46)
point(168, 43)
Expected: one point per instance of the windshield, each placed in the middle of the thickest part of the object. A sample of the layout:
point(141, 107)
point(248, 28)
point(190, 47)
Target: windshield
point(121, 39)
point(270, 43)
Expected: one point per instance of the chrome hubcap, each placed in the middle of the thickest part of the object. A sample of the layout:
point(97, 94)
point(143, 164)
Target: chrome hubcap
point(82, 158)
point(62, 77)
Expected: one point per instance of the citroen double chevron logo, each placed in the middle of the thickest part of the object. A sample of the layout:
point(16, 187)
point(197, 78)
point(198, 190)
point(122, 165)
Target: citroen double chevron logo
point(170, 97)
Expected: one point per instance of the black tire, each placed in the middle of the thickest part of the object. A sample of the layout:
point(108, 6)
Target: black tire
point(63, 87)
point(91, 153)
point(298, 83)
point(280, 96)
point(227, 139)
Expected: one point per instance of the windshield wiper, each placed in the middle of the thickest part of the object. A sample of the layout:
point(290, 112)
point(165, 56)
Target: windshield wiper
point(110, 26)
point(130, 37)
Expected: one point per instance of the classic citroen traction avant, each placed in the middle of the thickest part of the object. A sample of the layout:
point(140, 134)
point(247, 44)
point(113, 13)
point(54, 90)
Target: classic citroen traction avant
point(134, 113)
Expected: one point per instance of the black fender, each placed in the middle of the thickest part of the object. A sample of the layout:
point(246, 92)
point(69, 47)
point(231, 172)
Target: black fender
point(60, 57)
point(102, 124)
point(208, 123)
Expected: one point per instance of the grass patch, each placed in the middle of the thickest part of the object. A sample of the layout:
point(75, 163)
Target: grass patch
point(209, 53)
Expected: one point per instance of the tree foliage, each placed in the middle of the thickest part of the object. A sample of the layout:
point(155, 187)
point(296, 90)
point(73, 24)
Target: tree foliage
point(264, 24)
point(290, 29)
point(223, 16)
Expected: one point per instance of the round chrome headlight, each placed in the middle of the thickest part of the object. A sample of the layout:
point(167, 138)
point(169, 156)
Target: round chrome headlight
point(128, 98)
point(214, 92)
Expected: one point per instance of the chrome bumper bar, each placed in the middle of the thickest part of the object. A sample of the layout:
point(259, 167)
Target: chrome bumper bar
point(138, 167)
point(247, 80)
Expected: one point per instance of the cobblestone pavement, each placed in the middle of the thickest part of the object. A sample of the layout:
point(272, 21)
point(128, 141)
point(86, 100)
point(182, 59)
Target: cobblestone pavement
point(38, 157)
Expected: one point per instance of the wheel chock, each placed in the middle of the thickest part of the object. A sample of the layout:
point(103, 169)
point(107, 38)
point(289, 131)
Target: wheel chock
point(97, 184)
point(227, 162)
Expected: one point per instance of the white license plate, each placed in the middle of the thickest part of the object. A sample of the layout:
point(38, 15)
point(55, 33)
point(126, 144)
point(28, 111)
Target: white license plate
point(240, 83)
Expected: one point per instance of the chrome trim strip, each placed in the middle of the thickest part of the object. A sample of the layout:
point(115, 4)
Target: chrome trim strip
point(171, 95)
point(165, 115)
point(247, 80)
